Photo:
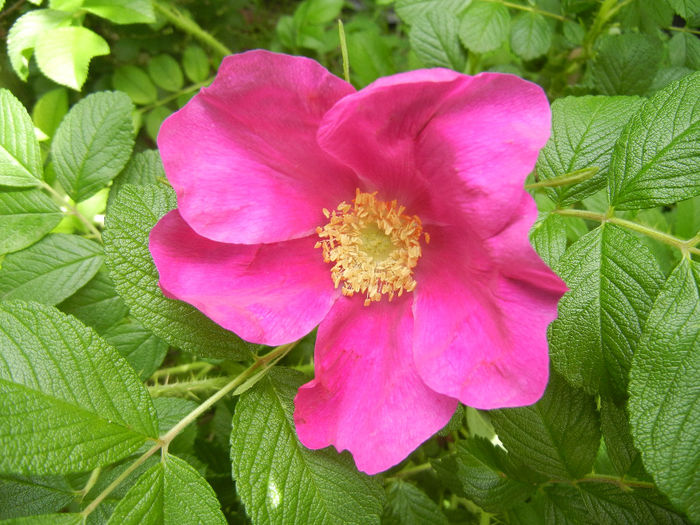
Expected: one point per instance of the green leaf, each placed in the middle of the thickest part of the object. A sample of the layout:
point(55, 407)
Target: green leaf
point(96, 304)
point(122, 11)
point(50, 110)
point(484, 26)
point(51, 270)
point(171, 410)
point(625, 64)
point(20, 157)
point(413, 11)
point(656, 159)
point(143, 350)
point(93, 143)
point(613, 280)
point(406, 504)
point(548, 237)
point(664, 400)
point(614, 423)
point(46, 519)
point(195, 63)
point(435, 40)
point(25, 217)
point(370, 55)
point(321, 11)
point(277, 477)
point(684, 50)
point(558, 436)
point(24, 33)
point(154, 120)
point(166, 72)
point(128, 224)
point(584, 132)
point(686, 8)
point(23, 496)
point(136, 83)
point(68, 401)
point(144, 167)
point(531, 35)
point(687, 218)
point(63, 54)
point(169, 492)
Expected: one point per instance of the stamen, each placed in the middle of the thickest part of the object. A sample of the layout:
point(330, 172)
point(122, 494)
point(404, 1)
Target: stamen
point(373, 245)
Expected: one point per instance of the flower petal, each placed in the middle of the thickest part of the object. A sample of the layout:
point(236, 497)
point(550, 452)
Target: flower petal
point(269, 294)
point(242, 154)
point(480, 331)
point(367, 397)
point(449, 147)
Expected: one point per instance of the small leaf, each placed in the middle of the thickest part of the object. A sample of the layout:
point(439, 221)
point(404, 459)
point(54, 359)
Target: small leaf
point(128, 224)
point(531, 35)
point(435, 40)
point(484, 26)
point(134, 81)
point(686, 8)
point(166, 72)
point(277, 477)
point(413, 11)
point(20, 157)
point(406, 504)
point(655, 160)
point(64, 53)
point(68, 401)
point(558, 436)
point(143, 350)
point(548, 237)
point(154, 119)
point(625, 64)
point(25, 217)
point(169, 492)
point(122, 11)
point(93, 143)
point(664, 400)
point(195, 63)
point(50, 110)
point(144, 167)
point(51, 270)
point(614, 424)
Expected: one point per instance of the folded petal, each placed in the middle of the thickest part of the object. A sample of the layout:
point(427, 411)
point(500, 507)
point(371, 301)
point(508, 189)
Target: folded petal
point(269, 294)
point(449, 147)
point(480, 331)
point(242, 154)
point(367, 397)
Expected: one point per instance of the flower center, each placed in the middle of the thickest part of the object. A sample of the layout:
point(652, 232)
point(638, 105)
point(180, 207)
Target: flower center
point(373, 245)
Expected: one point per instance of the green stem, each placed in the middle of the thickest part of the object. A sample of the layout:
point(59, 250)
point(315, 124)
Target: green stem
point(687, 246)
point(344, 51)
point(72, 210)
point(94, 475)
point(566, 179)
point(261, 365)
point(530, 9)
point(188, 388)
point(683, 30)
point(412, 470)
point(620, 482)
point(182, 22)
point(182, 369)
point(174, 96)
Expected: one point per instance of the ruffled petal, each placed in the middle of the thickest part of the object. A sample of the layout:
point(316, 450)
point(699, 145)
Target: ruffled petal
point(268, 294)
point(451, 148)
point(242, 154)
point(480, 332)
point(367, 397)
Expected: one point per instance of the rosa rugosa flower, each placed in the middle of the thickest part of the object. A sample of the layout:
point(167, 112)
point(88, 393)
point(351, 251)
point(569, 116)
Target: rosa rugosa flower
point(393, 217)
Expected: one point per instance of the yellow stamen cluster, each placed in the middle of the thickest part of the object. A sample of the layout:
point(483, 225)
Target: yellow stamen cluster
point(373, 245)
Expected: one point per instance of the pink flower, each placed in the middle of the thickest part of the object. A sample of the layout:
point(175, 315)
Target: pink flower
point(394, 216)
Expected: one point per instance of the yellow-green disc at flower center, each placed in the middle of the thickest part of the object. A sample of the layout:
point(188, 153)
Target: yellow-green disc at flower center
point(373, 247)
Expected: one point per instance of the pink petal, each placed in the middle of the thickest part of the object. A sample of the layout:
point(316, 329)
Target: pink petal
point(449, 147)
point(367, 397)
point(242, 154)
point(269, 294)
point(480, 328)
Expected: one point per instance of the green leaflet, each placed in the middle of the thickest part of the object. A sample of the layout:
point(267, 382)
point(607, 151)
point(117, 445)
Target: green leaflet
point(50, 270)
point(485, 26)
point(613, 280)
point(614, 423)
point(584, 132)
point(548, 237)
point(122, 11)
point(68, 401)
point(127, 226)
point(24, 495)
point(413, 11)
point(278, 479)
point(25, 217)
point(408, 505)
point(93, 143)
point(134, 81)
point(170, 492)
point(50, 109)
point(166, 72)
point(625, 64)
point(531, 35)
point(144, 167)
point(434, 38)
point(143, 350)
point(664, 400)
point(655, 161)
point(20, 157)
point(45, 519)
point(195, 63)
point(558, 436)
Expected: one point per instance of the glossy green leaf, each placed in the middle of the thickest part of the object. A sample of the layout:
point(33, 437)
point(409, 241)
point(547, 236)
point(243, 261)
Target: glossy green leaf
point(434, 38)
point(50, 109)
point(143, 350)
point(657, 157)
point(64, 53)
point(613, 280)
point(408, 505)
point(625, 64)
point(25, 217)
point(166, 72)
point(278, 479)
point(46, 519)
point(51, 270)
point(548, 237)
point(128, 224)
point(484, 26)
point(20, 157)
point(584, 132)
point(558, 436)
point(664, 400)
point(170, 492)
point(413, 11)
point(136, 83)
point(93, 143)
point(68, 401)
point(122, 11)
point(195, 63)
point(531, 35)
point(27, 495)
